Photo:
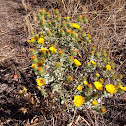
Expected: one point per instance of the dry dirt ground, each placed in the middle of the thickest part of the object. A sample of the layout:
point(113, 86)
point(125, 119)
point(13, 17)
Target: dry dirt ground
point(15, 60)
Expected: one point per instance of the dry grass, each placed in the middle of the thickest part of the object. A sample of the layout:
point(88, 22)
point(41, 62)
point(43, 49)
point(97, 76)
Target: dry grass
point(107, 26)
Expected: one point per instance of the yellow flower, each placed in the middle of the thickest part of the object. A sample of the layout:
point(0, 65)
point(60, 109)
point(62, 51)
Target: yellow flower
point(40, 81)
point(108, 67)
point(97, 75)
point(33, 66)
point(98, 85)
point(43, 49)
point(122, 88)
point(77, 63)
point(94, 102)
point(78, 100)
point(79, 88)
point(66, 17)
point(52, 49)
point(111, 88)
point(75, 25)
point(94, 63)
point(40, 40)
point(29, 41)
point(32, 40)
point(85, 82)
point(88, 35)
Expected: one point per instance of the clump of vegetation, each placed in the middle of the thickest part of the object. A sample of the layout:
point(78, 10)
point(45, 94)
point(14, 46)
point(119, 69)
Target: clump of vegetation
point(64, 58)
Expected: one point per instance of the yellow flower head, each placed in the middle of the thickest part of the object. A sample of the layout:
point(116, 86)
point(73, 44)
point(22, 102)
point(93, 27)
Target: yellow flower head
point(40, 81)
point(88, 35)
point(66, 17)
point(94, 63)
point(29, 41)
point(75, 25)
point(79, 88)
point(33, 66)
point(77, 63)
point(122, 88)
point(44, 49)
point(94, 102)
point(98, 85)
point(108, 67)
point(52, 49)
point(111, 88)
point(85, 82)
point(78, 100)
point(40, 40)
point(32, 40)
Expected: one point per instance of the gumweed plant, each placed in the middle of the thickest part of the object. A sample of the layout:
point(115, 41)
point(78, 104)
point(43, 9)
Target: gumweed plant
point(57, 60)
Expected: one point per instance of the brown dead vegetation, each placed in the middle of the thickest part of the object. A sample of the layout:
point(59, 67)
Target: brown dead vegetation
point(107, 26)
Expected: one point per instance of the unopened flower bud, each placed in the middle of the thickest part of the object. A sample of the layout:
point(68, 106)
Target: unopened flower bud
point(97, 75)
point(64, 24)
point(85, 21)
point(67, 19)
point(39, 16)
point(87, 40)
point(92, 53)
point(42, 11)
point(70, 59)
point(120, 76)
point(103, 110)
point(32, 51)
point(79, 18)
point(69, 25)
point(97, 54)
point(34, 59)
point(47, 15)
point(56, 12)
point(62, 33)
point(57, 65)
point(87, 64)
point(60, 53)
point(40, 70)
point(89, 85)
point(74, 52)
point(58, 18)
point(83, 34)
point(49, 33)
point(69, 78)
point(54, 23)
point(93, 48)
